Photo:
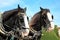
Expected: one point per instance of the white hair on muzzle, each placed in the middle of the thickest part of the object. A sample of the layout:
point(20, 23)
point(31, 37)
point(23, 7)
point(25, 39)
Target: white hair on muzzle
point(25, 31)
point(51, 20)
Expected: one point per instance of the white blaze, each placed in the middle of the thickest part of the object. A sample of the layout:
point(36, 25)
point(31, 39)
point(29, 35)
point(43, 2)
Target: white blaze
point(26, 31)
point(51, 20)
point(49, 16)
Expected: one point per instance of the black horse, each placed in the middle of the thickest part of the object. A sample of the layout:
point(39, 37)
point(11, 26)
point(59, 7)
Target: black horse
point(42, 18)
point(16, 21)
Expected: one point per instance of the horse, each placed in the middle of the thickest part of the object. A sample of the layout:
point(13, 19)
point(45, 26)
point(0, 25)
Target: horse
point(15, 22)
point(43, 18)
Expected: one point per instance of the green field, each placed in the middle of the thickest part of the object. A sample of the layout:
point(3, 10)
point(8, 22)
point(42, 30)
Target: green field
point(53, 35)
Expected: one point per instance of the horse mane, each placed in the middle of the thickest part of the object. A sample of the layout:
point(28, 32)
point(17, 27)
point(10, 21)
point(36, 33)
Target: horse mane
point(8, 14)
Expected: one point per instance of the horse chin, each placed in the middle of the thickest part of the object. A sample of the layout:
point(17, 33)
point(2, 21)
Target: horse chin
point(50, 27)
point(25, 33)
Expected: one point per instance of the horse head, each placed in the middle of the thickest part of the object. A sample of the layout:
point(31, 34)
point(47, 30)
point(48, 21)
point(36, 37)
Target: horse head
point(24, 20)
point(16, 19)
point(47, 18)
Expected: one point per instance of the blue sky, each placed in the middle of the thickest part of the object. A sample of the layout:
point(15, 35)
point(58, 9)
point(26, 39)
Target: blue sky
point(33, 6)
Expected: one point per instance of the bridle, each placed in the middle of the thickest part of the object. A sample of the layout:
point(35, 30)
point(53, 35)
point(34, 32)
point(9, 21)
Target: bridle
point(45, 19)
point(21, 26)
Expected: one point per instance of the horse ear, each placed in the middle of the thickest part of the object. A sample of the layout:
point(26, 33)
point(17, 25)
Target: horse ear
point(25, 9)
point(18, 6)
point(41, 8)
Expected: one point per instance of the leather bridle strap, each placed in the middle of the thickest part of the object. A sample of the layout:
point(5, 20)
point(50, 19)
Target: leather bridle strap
point(10, 27)
point(24, 28)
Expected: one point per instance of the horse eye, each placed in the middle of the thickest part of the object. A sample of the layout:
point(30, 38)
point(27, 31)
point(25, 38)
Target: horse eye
point(21, 19)
point(52, 17)
point(44, 17)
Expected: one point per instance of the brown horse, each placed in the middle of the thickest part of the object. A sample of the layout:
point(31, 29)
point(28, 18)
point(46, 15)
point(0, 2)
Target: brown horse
point(42, 18)
point(16, 21)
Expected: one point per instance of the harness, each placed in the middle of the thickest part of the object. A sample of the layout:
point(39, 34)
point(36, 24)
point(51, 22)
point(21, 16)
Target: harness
point(14, 30)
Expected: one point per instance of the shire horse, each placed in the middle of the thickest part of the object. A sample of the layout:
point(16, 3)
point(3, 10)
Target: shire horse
point(15, 23)
point(41, 19)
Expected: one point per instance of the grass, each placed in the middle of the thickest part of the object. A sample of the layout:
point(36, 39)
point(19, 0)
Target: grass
point(50, 35)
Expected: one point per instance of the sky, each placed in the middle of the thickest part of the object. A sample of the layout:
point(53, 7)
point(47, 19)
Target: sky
point(33, 6)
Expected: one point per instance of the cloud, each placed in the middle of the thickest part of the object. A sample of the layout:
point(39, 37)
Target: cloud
point(4, 3)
